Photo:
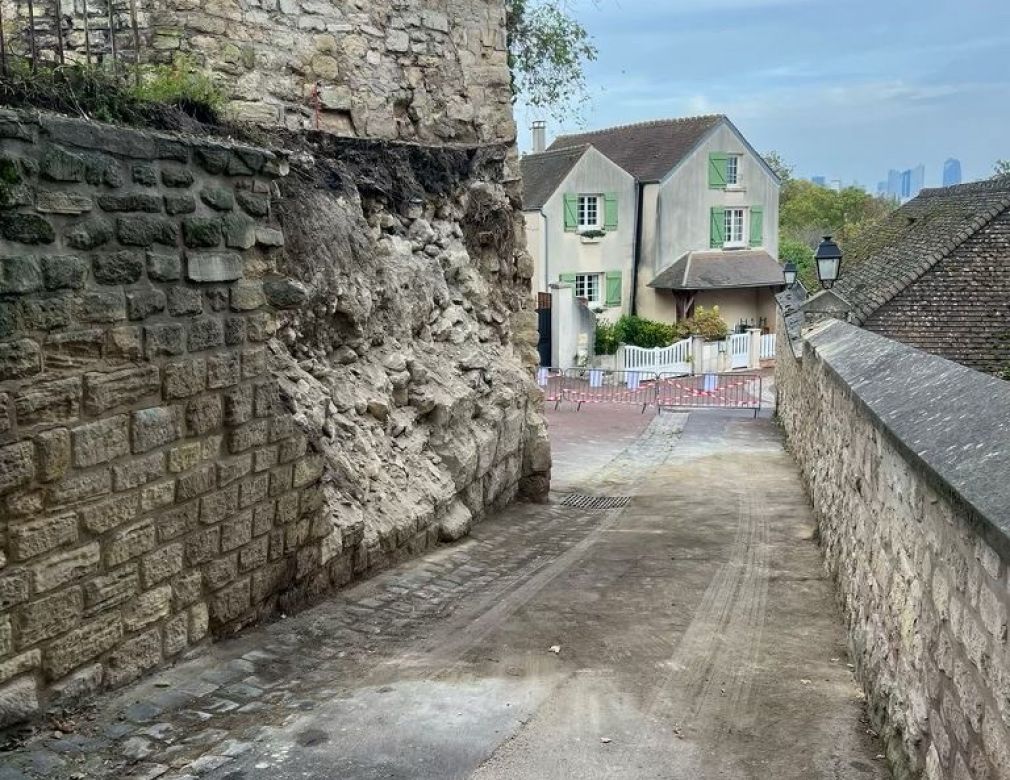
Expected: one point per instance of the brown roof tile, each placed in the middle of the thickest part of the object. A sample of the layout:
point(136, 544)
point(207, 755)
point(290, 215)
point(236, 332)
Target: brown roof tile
point(650, 150)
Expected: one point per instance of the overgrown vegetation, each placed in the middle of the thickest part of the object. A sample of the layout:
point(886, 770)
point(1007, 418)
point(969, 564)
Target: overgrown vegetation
point(641, 332)
point(163, 96)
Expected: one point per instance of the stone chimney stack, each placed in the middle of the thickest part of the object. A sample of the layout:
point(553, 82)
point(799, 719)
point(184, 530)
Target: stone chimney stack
point(539, 136)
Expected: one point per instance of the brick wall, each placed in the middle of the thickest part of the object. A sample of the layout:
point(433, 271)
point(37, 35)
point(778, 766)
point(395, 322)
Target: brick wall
point(905, 457)
point(152, 486)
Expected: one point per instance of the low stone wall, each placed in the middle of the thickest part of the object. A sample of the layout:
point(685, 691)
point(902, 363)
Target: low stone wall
point(906, 457)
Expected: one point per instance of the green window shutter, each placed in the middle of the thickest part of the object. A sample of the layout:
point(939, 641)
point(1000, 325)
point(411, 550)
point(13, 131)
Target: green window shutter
point(757, 225)
point(614, 279)
point(718, 230)
point(610, 211)
point(567, 278)
point(717, 170)
point(571, 212)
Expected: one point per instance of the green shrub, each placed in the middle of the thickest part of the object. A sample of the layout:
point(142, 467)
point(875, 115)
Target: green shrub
point(606, 337)
point(640, 332)
point(183, 84)
point(706, 323)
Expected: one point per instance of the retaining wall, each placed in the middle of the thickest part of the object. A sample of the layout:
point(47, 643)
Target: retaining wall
point(906, 457)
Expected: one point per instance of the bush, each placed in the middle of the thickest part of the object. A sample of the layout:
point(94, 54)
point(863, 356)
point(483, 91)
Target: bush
point(606, 337)
point(182, 84)
point(706, 323)
point(640, 332)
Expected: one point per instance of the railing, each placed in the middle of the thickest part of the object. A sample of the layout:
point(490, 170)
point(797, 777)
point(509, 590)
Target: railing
point(55, 32)
point(768, 346)
point(646, 388)
point(596, 386)
point(552, 382)
point(709, 391)
point(673, 359)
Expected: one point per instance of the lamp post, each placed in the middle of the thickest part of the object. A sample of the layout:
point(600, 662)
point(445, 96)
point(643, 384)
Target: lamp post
point(789, 272)
point(829, 262)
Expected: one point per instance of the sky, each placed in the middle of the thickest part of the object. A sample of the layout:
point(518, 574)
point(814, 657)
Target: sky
point(846, 89)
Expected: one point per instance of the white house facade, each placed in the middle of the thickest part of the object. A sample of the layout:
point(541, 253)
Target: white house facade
point(657, 219)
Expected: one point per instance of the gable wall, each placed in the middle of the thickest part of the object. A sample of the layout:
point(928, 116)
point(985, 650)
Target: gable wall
point(685, 200)
point(560, 252)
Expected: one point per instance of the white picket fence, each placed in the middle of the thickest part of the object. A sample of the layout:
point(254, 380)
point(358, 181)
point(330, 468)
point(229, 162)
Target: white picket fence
point(674, 359)
point(768, 346)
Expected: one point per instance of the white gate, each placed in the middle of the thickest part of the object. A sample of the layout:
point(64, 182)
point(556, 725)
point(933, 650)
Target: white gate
point(675, 359)
point(739, 350)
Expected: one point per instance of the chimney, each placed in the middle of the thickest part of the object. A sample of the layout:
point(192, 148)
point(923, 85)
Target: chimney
point(539, 136)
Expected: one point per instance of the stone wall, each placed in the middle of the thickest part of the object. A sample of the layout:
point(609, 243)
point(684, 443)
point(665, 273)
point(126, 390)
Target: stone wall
point(431, 71)
point(905, 456)
point(233, 379)
point(152, 484)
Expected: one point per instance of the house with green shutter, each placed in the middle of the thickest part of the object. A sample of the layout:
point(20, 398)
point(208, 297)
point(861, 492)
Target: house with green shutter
point(656, 219)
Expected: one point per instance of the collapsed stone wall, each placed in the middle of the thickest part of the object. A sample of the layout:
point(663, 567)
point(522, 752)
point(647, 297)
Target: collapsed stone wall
point(226, 388)
point(431, 71)
point(908, 484)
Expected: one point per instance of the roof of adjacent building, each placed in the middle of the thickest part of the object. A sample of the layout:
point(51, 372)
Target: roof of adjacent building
point(717, 270)
point(543, 173)
point(911, 241)
point(649, 150)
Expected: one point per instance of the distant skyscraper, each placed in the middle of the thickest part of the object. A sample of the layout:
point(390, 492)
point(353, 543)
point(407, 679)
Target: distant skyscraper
point(905, 185)
point(820, 181)
point(951, 172)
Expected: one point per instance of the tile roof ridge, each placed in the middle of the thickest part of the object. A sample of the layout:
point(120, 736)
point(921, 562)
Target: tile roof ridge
point(647, 123)
point(997, 184)
point(560, 150)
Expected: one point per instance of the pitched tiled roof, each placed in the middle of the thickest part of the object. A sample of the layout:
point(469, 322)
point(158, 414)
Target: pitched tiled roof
point(960, 308)
point(913, 239)
point(650, 150)
point(720, 271)
point(543, 173)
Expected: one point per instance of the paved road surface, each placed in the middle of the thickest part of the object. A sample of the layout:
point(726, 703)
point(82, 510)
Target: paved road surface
point(690, 634)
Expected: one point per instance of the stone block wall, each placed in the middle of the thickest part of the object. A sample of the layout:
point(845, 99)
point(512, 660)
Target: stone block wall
point(430, 71)
point(906, 457)
point(153, 487)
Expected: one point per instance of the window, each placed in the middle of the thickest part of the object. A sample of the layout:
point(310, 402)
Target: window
point(734, 235)
point(589, 212)
point(733, 170)
point(588, 286)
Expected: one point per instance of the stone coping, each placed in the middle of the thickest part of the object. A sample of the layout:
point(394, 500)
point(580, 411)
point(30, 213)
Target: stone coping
point(141, 143)
point(951, 421)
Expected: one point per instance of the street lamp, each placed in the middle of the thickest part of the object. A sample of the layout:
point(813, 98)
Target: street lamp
point(829, 262)
point(789, 272)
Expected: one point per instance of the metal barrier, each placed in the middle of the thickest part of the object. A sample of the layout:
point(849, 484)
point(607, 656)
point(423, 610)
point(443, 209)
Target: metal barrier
point(552, 382)
point(595, 385)
point(709, 391)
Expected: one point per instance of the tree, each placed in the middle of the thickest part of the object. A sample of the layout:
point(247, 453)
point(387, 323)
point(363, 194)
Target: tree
point(802, 256)
point(1001, 168)
point(778, 164)
point(548, 52)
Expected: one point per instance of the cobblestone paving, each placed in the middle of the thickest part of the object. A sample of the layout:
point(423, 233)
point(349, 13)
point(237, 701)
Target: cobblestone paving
point(195, 719)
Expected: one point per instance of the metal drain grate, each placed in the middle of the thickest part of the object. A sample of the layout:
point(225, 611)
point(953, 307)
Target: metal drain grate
point(580, 501)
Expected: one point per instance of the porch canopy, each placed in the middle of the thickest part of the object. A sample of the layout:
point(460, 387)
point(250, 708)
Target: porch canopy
point(720, 270)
